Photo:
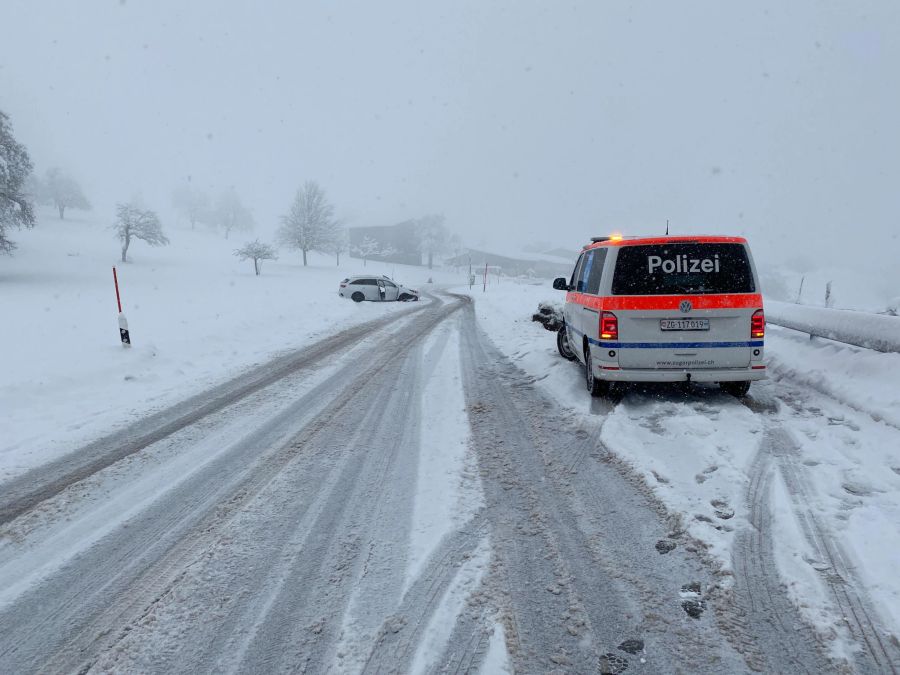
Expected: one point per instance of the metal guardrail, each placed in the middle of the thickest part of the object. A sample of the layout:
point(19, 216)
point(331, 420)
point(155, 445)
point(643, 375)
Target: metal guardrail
point(860, 329)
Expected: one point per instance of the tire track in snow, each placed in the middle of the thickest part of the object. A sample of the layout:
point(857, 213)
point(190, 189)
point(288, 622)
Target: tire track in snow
point(762, 621)
point(564, 604)
point(879, 653)
point(757, 573)
point(294, 618)
point(91, 613)
point(400, 634)
point(24, 492)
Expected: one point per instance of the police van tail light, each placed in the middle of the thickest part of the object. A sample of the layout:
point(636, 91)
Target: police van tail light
point(758, 324)
point(609, 326)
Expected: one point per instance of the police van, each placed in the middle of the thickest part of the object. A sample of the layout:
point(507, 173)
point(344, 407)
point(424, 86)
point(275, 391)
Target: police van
point(665, 309)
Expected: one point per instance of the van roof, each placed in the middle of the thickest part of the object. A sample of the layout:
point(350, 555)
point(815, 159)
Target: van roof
point(598, 242)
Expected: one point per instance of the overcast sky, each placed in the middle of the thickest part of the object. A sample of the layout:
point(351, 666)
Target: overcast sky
point(529, 120)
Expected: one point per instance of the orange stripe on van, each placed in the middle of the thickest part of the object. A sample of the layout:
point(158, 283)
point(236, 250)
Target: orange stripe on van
point(666, 302)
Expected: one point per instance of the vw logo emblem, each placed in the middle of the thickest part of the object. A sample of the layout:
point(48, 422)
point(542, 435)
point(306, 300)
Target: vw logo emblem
point(685, 306)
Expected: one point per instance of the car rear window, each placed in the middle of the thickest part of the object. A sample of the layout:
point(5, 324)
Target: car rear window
point(682, 268)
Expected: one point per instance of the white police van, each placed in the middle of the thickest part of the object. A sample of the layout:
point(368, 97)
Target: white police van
point(665, 309)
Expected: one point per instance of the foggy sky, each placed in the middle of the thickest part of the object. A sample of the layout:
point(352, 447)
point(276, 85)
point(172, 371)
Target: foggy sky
point(520, 121)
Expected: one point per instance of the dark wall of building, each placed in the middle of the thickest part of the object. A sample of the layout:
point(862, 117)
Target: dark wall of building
point(402, 237)
point(512, 267)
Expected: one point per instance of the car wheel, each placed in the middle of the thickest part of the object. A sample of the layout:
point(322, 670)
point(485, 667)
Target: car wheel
point(595, 386)
point(357, 297)
point(404, 297)
point(562, 344)
point(738, 389)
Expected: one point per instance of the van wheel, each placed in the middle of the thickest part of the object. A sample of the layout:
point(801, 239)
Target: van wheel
point(562, 344)
point(357, 297)
point(738, 389)
point(595, 386)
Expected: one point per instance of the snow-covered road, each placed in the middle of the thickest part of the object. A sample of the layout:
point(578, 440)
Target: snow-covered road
point(413, 500)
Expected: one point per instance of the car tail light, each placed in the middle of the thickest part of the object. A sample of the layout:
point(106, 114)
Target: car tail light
point(609, 326)
point(758, 324)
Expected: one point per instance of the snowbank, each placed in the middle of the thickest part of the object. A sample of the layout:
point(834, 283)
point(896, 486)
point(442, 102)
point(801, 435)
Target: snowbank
point(874, 331)
point(866, 380)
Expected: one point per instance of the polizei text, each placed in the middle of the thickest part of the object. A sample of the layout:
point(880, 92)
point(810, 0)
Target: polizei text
point(681, 263)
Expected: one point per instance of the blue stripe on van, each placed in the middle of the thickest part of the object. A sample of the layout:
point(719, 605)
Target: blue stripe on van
point(676, 345)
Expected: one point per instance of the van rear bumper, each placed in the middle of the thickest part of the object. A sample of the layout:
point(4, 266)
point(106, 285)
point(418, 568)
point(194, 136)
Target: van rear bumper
point(698, 375)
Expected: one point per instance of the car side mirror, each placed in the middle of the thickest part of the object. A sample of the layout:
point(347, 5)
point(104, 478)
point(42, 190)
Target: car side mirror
point(561, 284)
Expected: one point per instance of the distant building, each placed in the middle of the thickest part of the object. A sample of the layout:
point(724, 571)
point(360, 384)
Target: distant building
point(538, 266)
point(400, 237)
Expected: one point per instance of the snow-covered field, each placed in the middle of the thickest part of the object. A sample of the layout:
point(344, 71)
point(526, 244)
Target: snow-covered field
point(196, 313)
point(827, 418)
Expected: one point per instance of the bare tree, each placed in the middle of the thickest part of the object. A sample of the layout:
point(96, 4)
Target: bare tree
point(191, 203)
point(309, 224)
point(64, 192)
point(230, 214)
point(16, 208)
point(432, 236)
point(133, 222)
point(257, 252)
point(367, 248)
point(338, 242)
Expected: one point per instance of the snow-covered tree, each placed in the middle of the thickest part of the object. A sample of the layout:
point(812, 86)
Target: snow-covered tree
point(432, 236)
point(309, 225)
point(191, 203)
point(64, 192)
point(338, 242)
point(366, 249)
point(16, 208)
point(256, 251)
point(133, 222)
point(230, 214)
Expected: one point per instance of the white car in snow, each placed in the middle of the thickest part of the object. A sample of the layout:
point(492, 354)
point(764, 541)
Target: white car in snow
point(377, 289)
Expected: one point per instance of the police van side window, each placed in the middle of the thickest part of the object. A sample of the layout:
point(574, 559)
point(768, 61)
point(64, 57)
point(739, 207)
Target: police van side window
point(576, 273)
point(583, 271)
point(586, 264)
point(593, 275)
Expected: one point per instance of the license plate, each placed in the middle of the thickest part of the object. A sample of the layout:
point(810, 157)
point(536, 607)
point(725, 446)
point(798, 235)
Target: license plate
point(684, 324)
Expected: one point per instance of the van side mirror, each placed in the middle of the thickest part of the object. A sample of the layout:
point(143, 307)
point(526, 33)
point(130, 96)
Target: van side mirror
point(561, 284)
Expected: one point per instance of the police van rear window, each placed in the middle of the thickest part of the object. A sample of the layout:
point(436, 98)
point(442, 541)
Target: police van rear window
point(675, 269)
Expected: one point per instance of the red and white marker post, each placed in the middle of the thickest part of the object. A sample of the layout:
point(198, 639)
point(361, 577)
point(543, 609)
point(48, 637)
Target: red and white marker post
point(484, 290)
point(123, 322)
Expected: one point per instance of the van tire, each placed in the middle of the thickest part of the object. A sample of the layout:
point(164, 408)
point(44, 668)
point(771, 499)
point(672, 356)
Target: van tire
point(737, 389)
point(562, 344)
point(357, 297)
point(595, 386)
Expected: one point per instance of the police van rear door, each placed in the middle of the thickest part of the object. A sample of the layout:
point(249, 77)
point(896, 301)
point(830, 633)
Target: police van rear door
point(684, 305)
